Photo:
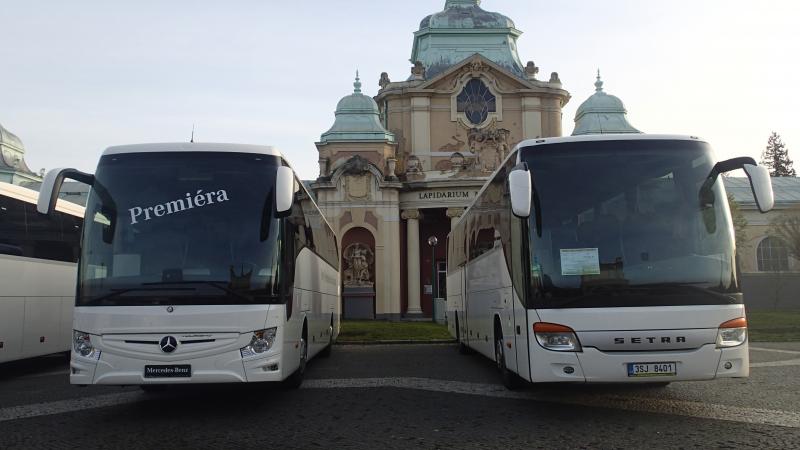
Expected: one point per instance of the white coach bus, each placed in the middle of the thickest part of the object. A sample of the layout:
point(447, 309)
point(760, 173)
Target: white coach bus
point(604, 258)
point(38, 256)
point(200, 263)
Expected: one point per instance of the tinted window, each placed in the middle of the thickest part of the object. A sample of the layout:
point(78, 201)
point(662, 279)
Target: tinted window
point(182, 228)
point(622, 225)
point(25, 232)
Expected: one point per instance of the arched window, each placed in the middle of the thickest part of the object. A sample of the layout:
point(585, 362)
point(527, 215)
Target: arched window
point(772, 255)
point(476, 101)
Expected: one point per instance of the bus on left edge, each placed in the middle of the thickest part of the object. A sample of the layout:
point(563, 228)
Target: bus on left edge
point(199, 263)
point(38, 256)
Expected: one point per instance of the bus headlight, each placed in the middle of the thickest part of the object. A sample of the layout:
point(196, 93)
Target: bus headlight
point(559, 338)
point(82, 345)
point(261, 342)
point(732, 333)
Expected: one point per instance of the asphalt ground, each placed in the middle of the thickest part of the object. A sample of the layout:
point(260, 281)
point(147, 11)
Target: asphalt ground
point(401, 397)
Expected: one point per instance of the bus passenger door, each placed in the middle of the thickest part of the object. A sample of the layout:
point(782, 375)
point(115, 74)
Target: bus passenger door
point(520, 277)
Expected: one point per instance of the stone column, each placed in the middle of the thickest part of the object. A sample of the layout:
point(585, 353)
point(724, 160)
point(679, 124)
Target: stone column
point(454, 214)
point(412, 257)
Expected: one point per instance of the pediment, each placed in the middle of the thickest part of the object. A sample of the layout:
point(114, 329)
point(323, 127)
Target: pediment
point(476, 66)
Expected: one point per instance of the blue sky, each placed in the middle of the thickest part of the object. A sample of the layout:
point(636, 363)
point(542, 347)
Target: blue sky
point(83, 75)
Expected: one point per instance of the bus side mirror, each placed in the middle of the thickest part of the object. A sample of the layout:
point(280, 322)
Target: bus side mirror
point(284, 190)
point(761, 184)
point(51, 186)
point(520, 187)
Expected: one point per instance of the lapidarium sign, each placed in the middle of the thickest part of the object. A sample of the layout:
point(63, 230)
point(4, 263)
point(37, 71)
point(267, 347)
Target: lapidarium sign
point(435, 198)
point(435, 195)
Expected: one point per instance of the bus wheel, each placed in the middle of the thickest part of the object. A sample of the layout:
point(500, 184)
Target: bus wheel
point(296, 379)
point(510, 380)
point(326, 352)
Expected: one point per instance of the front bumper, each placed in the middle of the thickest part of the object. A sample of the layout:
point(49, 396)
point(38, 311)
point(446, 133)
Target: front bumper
point(227, 367)
point(595, 366)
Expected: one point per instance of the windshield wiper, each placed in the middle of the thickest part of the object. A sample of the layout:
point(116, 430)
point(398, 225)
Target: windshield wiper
point(118, 292)
point(623, 289)
point(217, 284)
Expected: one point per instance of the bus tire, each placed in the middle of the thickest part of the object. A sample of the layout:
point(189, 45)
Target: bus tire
point(296, 378)
point(326, 352)
point(510, 380)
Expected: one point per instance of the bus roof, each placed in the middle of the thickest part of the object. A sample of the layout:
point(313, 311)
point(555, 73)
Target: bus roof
point(30, 196)
point(606, 137)
point(193, 147)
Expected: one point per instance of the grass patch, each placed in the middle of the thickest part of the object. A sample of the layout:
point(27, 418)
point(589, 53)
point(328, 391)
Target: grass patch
point(378, 330)
point(773, 326)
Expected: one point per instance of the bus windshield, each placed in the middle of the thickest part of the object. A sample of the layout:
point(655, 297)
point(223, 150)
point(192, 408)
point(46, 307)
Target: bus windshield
point(181, 228)
point(620, 223)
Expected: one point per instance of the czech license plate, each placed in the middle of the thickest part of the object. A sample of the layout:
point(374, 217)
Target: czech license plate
point(658, 369)
point(173, 371)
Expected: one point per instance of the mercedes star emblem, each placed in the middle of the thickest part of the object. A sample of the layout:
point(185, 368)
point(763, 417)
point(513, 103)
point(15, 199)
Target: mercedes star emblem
point(170, 309)
point(168, 344)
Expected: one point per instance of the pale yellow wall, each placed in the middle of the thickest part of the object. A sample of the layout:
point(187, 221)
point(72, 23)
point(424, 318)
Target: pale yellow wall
point(758, 229)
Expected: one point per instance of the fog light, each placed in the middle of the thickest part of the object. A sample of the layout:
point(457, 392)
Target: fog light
point(728, 365)
point(569, 370)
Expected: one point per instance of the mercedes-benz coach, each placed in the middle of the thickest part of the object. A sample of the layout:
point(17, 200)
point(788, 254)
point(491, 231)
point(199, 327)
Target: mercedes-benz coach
point(199, 263)
point(604, 258)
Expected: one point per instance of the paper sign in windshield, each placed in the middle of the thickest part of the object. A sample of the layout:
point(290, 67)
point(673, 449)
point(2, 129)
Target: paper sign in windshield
point(580, 261)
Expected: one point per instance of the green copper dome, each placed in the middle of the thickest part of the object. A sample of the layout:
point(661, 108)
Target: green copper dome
point(465, 14)
point(459, 31)
point(13, 168)
point(602, 114)
point(357, 119)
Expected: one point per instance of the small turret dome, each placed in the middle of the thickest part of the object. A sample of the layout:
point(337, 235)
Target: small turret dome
point(10, 139)
point(13, 168)
point(357, 119)
point(602, 113)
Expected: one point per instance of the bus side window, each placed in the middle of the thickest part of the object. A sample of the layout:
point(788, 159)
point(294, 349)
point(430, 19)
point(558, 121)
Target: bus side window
point(13, 227)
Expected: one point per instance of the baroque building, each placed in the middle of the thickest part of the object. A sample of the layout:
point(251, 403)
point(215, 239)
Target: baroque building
point(397, 169)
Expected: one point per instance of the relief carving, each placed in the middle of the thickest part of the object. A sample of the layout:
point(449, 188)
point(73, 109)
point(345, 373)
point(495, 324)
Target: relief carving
point(357, 186)
point(489, 145)
point(456, 146)
point(359, 259)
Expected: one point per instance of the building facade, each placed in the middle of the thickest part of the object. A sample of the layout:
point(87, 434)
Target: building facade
point(767, 258)
point(398, 169)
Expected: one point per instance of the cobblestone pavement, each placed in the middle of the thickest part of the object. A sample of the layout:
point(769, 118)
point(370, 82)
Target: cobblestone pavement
point(405, 396)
